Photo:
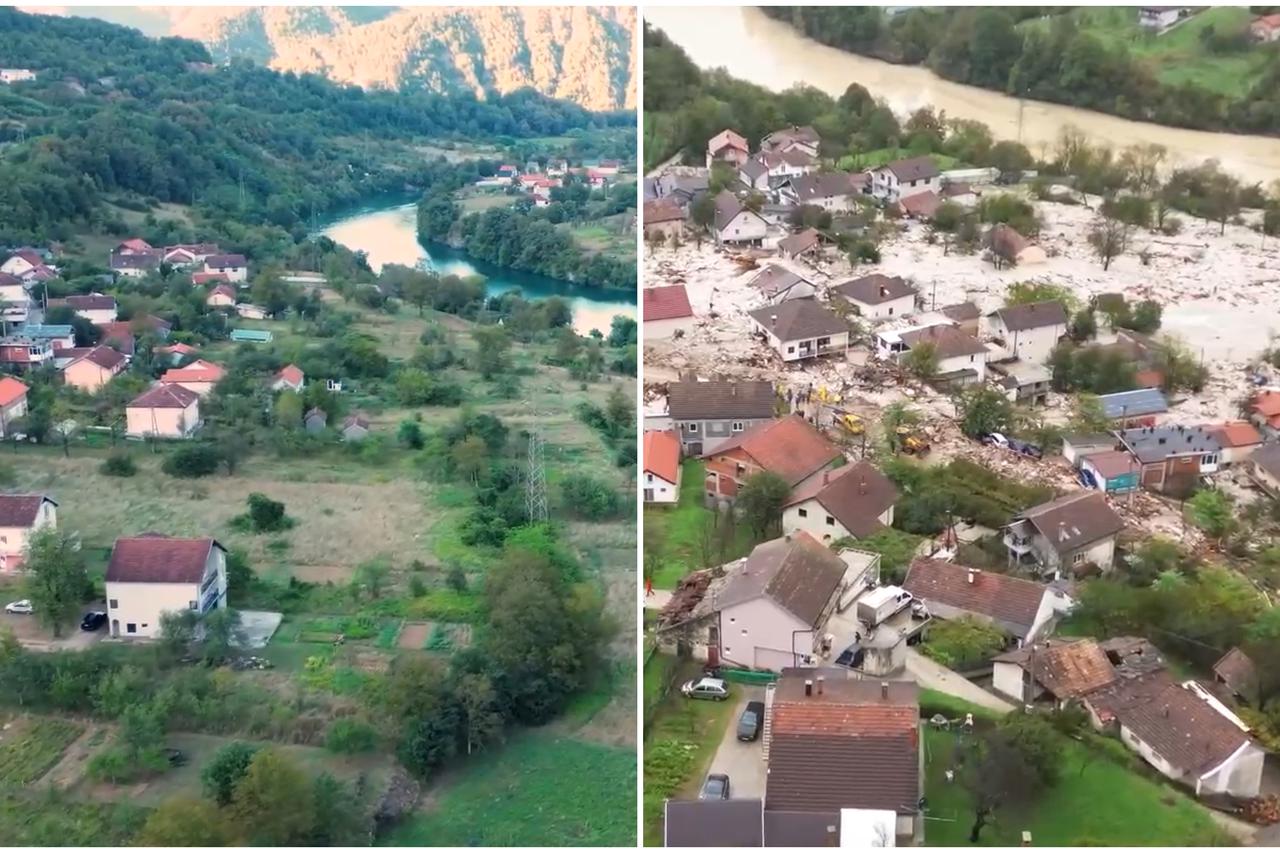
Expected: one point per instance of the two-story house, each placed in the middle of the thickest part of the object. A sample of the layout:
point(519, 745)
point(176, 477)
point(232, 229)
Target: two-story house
point(854, 501)
point(660, 477)
point(1065, 534)
point(13, 402)
point(151, 574)
point(1172, 458)
point(801, 328)
point(804, 139)
point(707, 414)
point(727, 147)
point(21, 353)
point(878, 296)
point(1031, 331)
point(234, 267)
point(94, 307)
point(737, 224)
point(901, 179)
point(21, 516)
point(961, 358)
point(837, 192)
point(789, 447)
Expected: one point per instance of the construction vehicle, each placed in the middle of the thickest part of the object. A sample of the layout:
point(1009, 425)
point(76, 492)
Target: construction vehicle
point(912, 443)
point(849, 422)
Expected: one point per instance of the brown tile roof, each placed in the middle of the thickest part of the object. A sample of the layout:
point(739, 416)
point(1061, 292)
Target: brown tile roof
point(789, 447)
point(165, 397)
point(856, 495)
point(961, 311)
point(1067, 668)
point(1033, 315)
point(1267, 457)
point(948, 341)
point(152, 558)
point(826, 185)
point(727, 207)
point(923, 205)
point(849, 747)
point(799, 242)
point(796, 572)
point(875, 289)
point(87, 302)
point(1237, 670)
point(666, 303)
point(774, 279)
point(225, 261)
point(661, 454)
point(713, 823)
point(1074, 521)
point(1172, 720)
point(799, 318)
point(660, 210)
point(104, 357)
point(1011, 602)
point(693, 401)
point(779, 138)
point(1112, 463)
point(21, 510)
point(914, 168)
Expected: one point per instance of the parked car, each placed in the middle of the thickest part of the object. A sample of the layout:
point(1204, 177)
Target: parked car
point(176, 757)
point(21, 607)
point(715, 788)
point(1025, 448)
point(93, 620)
point(751, 721)
point(995, 439)
point(706, 688)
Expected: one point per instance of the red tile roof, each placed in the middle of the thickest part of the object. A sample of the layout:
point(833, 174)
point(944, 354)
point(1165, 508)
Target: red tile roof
point(666, 303)
point(1068, 668)
point(1011, 602)
point(1238, 434)
point(206, 277)
point(11, 390)
point(152, 558)
point(136, 244)
point(21, 510)
point(197, 371)
point(856, 495)
point(789, 447)
point(104, 357)
point(661, 455)
point(164, 397)
point(292, 374)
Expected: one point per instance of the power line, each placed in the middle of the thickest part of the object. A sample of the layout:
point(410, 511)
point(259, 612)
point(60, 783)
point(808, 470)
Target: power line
point(536, 482)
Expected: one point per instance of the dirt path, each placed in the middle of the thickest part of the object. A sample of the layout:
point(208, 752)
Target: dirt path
point(70, 768)
point(937, 677)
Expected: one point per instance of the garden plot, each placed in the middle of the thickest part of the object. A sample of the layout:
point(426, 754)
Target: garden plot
point(434, 636)
point(31, 746)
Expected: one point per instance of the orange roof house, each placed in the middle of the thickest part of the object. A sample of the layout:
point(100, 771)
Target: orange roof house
point(1264, 411)
point(290, 377)
point(660, 455)
point(13, 402)
point(199, 376)
point(789, 447)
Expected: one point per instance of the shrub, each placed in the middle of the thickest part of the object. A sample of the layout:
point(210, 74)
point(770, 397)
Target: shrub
point(590, 498)
point(228, 766)
point(195, 460)
point(350, 736)
point(266, 515)
point(118, 465)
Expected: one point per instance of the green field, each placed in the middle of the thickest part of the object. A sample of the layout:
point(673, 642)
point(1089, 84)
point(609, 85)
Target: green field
point(1097, 803)
point(1179, 56)
point(678, 533)
point(51, 820)
point(573, 793)
point(31, 747)
point(880, 156)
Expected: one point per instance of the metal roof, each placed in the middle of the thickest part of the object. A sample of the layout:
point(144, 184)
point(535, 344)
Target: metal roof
point(1133, 404)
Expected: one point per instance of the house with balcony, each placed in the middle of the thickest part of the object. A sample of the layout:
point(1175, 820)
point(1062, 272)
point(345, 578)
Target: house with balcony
point(21, 353)
point(1065, 534)
point(152, 574)
point(801, 328)
point(706, 415)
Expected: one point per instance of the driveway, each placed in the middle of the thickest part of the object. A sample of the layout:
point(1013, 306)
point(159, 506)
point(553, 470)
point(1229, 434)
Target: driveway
point(742, 762)
point(934, 676)
point(37, 638)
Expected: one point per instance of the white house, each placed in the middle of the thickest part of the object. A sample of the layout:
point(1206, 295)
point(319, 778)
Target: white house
point(1031, 331)
point(290, 378)
point(21, 516)
point(735, 223)
point(1159, 17)
point(877, 296)
point(661, 474)
point(15, 303)
point(666, 312)
point(234, 267)
point(16, 75)
point(727, 147)
point(778, 284)
point(854, 501)
point(151, 574)
point(1065, 533)
point(837, 192)
point(904, 178)
point(801, 328)
point(97, 308)
point(961, 358)
point(1022, 608)
point(755, 174)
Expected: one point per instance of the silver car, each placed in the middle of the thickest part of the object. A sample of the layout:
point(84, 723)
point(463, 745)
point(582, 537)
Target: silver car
point(22, 607)
point(706, 688)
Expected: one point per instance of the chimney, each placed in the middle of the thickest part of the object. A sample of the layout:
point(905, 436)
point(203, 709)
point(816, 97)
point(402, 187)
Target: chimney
point(821, 679)
point(862, 486)
point(1026, 838)
point(808, 687)
point(1062, 531)
point(826, 476)
point(884, 291)
point(774, 319)
point(972, 573)
point(833, 835)
point(884, 690)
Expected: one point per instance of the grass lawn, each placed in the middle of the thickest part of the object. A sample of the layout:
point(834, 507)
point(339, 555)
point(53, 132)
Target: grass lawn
point(537, 790)
point(1099, 802)
point(657, 675)
point(880, 156)
point(678, 748)
point(31, 747)
point(678, 531)
point(481, 202)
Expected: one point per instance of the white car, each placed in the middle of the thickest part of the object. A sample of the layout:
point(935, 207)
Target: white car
point(706, 688)
point(21, 607)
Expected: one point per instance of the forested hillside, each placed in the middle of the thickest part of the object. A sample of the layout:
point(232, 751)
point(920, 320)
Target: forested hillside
point(115, 114)
point(1205, 73)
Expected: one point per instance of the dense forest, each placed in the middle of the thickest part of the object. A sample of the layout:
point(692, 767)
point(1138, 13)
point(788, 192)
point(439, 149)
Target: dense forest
point(113, 113)
point(1060, 62)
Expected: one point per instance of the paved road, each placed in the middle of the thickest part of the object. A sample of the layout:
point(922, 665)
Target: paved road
point(742, 762)
point(933, 675)
point(657, 599)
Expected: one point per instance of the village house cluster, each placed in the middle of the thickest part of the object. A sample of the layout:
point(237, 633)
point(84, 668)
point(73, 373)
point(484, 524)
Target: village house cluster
point(536, 179)
point(812, 611)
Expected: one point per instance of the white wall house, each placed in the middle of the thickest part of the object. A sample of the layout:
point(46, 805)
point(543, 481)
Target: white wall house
point(904, 178)
point(734, 223)
point(878, 297)
point(21, 516)
point(801, 328)
point(234, 267)
point(660, 477)
point(850, 502)
point(151, 574)
point(1030, 332)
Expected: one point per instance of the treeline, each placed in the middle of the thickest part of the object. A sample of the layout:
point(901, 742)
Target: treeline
point(1057, 62)
point(114, 112)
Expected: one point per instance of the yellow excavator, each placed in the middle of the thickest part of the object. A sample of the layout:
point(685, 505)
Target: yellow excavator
point(912, 443)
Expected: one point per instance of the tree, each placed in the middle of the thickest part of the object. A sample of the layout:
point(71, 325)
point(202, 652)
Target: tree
point(999, 775)
point(371, 576)
point(481, 711)
point(471, 458)
point(193, 460)
point(56, 576)
point(921, 360)
point(287, 410)
point(410, 434)
point(185, 822)
point(493, 344)
point(760, 501)
point(1027, 292)
point(619, 411)
point(1211, 511)
point(225, 770)
point(702, 213)
point(178, 630)
point(1088, 416)
point(273, 805)
point(1108, 237)
point(1144, 317)
point(590, 497)
point(338, 818)
point(220, 634)
point(266, 515)
point(983, 410)
point(1084, 325)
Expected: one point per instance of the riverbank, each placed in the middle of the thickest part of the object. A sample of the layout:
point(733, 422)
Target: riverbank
point(753, 47)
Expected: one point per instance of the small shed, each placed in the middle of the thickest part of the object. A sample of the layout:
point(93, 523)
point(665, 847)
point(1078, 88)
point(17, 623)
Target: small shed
point(1112, 471)
point(355, 427)
point(315, 420)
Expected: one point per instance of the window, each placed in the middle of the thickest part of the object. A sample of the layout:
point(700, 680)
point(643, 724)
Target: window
point(831, 522)
point(891, 311)
point(113, 604)
point(692, 427)
point(733, 619)
point(790, 350)
point(738, 426)
point(822, 342)
point(131, 628)
point(192, 605)
point(1077, 558)
point(648, 478)
point(741, 469)
point(744, 632)
point(971, 359)
point(804, 513)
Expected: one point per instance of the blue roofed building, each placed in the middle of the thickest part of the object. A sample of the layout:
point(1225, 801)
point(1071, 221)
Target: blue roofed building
point(1128, 406)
